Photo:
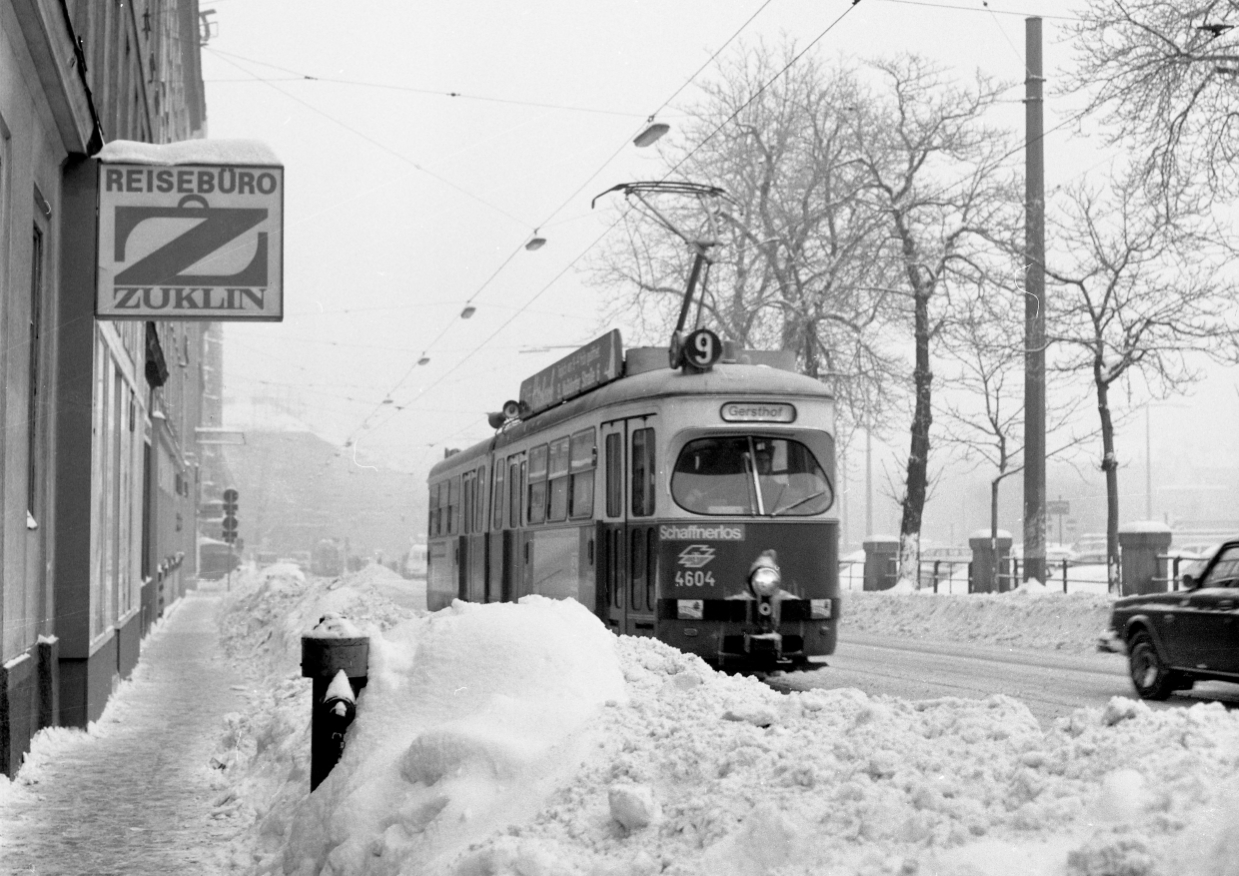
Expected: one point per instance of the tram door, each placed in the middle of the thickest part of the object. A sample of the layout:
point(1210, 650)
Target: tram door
point(628, 570)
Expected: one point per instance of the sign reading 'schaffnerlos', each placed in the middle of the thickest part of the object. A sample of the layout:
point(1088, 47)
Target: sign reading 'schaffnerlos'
point(190, 230)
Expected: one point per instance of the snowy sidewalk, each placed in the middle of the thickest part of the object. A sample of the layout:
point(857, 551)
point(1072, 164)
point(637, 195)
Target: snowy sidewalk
point(136, 795)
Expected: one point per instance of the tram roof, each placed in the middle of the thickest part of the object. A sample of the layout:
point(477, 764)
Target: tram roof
point(724, 379)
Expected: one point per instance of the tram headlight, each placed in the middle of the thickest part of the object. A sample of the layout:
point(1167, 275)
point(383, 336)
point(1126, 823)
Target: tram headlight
point(764, 576)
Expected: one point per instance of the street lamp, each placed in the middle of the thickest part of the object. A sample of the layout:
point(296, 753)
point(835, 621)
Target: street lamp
point(653, 131)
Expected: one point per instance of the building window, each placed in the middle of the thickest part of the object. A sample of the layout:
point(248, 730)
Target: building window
point(32, 398)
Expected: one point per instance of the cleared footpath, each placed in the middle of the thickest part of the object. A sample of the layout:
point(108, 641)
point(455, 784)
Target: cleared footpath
point(135, 795)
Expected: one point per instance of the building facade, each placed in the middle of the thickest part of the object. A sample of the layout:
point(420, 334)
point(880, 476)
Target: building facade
point(99, 469)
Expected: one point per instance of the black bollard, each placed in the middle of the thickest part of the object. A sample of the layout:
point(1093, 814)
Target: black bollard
point(338, 665)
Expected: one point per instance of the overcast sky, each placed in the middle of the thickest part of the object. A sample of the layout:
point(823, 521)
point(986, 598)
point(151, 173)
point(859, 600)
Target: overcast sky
point(405, 203)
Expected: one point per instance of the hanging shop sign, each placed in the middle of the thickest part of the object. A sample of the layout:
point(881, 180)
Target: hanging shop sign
point(190, 230)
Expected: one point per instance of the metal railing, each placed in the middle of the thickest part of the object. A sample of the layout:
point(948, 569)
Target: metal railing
point(955, 575)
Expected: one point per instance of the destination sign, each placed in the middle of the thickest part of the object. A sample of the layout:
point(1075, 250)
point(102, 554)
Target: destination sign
point(758, 412)
point(597, 363)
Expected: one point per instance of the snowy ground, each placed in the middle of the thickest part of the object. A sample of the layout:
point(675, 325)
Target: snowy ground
point(525, 740)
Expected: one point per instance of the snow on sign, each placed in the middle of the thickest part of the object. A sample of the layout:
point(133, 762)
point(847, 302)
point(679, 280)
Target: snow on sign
point(190, 230)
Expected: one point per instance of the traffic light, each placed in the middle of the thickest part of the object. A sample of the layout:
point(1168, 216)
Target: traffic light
point(230, 515)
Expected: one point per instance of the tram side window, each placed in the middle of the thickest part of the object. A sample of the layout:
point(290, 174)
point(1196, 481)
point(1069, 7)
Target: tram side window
point(615, 475)
point(479, 501)
point(557, 503)
point(581, 479)
point(651, 567)
point(468, 483)
point(643, 473)
point(636, 570)
point(496, 498)
point(516, 491)
point(453, 506)
point(433, 522)
point(535, 512)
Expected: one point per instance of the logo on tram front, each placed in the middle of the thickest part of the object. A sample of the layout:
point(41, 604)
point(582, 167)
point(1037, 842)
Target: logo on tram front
point(696, 555)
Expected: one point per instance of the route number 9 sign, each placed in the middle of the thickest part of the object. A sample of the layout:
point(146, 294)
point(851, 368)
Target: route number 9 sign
point(702, 349)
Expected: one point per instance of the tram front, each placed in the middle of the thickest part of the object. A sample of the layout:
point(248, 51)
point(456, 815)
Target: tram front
point(748, 561)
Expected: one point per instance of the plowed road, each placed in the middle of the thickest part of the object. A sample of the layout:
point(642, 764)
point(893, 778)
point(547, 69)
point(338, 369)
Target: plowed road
point(1050, 684)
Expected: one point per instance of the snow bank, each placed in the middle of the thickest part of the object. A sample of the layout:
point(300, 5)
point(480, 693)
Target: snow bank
point(1037, 619)
point(526, 739)
point(471, 717)
point(240, 152)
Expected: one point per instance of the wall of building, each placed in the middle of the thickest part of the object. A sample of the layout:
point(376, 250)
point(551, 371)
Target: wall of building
point(99, 469)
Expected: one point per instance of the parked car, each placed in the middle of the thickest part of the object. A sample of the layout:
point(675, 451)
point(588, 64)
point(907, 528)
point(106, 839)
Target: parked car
point(1176, 638)
point(1193, 560)
point(1090, 550)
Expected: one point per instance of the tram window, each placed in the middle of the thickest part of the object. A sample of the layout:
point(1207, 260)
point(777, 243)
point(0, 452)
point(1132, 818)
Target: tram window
point(433, 515)
point(467, 482)
point(581, 480)
point(453, 506)
point(479, 501)
point(643, 473)
point(748, 474)
point(535, 512)
point(651, 567)
point(515, 492)
point(496, 498)
point(615, 475)
point(636, 569)
point(558, 474)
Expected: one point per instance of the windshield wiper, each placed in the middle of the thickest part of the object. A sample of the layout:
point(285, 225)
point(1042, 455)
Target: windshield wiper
point(809, 498)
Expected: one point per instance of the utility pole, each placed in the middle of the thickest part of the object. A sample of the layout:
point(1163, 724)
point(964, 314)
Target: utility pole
point(868, 479)
point(1034, 309)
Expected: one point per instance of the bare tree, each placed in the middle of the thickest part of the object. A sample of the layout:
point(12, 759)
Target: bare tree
point(935, 172)
point(983, 415)
point(796, 267)
point(1135, 293)
point(1163, 75)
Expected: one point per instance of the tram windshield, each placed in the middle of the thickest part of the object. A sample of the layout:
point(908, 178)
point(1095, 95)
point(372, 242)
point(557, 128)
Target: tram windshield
point(750, 475)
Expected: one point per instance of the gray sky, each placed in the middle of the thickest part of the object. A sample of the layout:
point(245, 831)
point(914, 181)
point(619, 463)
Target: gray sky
point(404, 204)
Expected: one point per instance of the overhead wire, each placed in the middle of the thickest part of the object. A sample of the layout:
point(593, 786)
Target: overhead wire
point(393, 152)
point(667, 175)
point(297, 76)
point(624, 145)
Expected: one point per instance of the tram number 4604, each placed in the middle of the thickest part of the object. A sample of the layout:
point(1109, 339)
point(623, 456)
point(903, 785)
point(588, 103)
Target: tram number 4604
point(694, 579)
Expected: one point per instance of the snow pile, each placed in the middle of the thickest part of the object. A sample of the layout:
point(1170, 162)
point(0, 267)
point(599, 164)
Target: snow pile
point(275, 607)
point(471, 717)
point(526, 739)
point(1043, 620)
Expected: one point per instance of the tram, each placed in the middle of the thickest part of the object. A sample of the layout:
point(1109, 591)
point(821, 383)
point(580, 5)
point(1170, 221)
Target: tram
point(695, 503)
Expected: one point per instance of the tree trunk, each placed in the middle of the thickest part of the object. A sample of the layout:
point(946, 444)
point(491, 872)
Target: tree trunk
point(996, 567)
point(1110, 466)
point(918, 459)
